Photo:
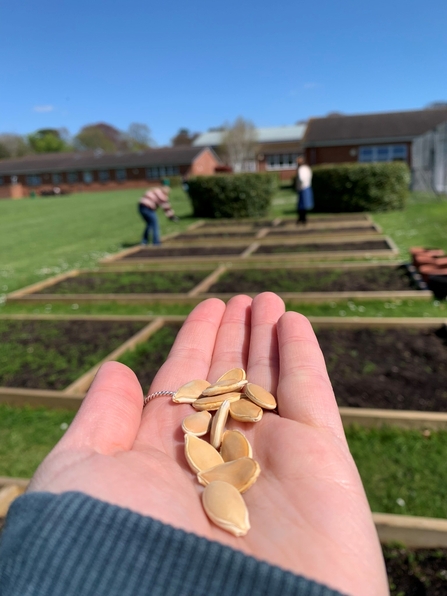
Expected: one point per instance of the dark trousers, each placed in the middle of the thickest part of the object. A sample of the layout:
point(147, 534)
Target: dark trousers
point(302, 216)
point(150, 217)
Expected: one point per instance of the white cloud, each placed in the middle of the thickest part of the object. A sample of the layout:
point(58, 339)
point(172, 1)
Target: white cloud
point(43, 109)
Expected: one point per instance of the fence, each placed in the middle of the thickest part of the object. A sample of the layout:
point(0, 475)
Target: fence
point(430, 161)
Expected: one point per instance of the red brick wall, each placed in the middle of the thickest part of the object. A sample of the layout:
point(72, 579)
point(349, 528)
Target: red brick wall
point(340, 154)
point(204, 164)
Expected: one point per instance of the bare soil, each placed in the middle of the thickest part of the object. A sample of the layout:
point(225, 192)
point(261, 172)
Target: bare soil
point(303, 231)
point(418, 572)
point(400, 369)
point(208, 235)
point(322, 246)
point(184, 251)
point(138, 282)
point(316, 280)
point(53, 354)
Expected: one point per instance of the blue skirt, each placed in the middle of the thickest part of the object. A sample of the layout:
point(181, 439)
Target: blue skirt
point(305, 199)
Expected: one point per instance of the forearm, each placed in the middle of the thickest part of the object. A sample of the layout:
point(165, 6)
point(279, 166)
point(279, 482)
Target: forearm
point(75, 545)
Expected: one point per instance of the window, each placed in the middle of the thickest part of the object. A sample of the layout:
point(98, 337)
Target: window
point(104, 175)
point(120, 175)
point(152, 173)
point(2, 181)
point(87, 177)
point(383, 153)
point(56, 178)
point(281, 161)
point(162, 171)
point(33, 180)
point(72, 177)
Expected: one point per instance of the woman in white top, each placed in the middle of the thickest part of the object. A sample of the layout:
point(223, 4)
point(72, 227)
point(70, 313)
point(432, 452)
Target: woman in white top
point(304, 189)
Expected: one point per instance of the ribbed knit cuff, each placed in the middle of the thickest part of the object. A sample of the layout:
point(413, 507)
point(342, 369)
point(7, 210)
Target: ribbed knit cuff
point(74, 545)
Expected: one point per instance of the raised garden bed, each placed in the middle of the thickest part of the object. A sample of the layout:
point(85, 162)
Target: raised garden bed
point(399, 369)
point(312, 280)
point(140, 282)
point(313, 231)
point(45, 354)
point(365, 245)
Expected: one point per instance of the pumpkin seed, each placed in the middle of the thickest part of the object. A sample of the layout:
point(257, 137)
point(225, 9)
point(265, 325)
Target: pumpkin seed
point(201, 455)
point(218, 424)
point(245, 410)
point(260, 396)
point(197, 424)
point(224, 386)
point(189, 392)
point(238, 374)
point(215, 401)
point(235, 445)
point(241, 473)
point(226, 508)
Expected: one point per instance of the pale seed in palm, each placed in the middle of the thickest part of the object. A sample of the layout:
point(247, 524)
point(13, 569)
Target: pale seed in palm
point(226, 508)
point(218, 424)
point(200, 455)
point(189, 392)
point(215, 401)
point(245, 410)
point(241, 473)
point(235, 445)
point(224, 386)
point(238, 374)
point(197, 424)
point(260, 396)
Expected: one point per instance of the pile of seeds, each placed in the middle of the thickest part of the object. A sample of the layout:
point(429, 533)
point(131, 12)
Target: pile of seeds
point(224, 466)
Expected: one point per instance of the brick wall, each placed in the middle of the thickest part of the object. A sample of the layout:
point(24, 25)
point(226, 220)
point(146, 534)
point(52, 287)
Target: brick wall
point(204, 164)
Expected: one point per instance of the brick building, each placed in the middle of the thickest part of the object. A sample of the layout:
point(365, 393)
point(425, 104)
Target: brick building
point(96, 170)
point(276, 148)
point(386, 136)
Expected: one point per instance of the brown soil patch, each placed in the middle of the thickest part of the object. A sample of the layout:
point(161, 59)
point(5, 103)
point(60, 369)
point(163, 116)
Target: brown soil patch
point(419, 572)
point(321, 246)
point(210, 235)
point(53, 354)
point(316, 280)
point(303, 231)
point(401, 369)
point(185, 251)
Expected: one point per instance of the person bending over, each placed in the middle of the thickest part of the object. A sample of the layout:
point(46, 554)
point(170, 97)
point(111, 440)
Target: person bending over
point(147, 206)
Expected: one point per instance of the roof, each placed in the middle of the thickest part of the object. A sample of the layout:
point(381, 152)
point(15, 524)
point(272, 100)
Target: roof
point(385, 126)
point(263, 135)
point(87, 160)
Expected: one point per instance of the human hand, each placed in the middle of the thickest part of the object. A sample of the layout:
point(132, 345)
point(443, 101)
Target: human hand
point(308, 511)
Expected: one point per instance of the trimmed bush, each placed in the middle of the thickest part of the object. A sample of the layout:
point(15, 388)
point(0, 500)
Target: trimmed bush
point(361, 187)
point(232, 195)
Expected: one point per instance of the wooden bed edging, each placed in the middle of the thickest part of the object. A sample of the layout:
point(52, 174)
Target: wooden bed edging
point(17, 396)
point(413, 531)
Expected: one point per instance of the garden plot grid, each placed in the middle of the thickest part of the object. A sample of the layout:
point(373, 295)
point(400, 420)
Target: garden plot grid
point(295, 283)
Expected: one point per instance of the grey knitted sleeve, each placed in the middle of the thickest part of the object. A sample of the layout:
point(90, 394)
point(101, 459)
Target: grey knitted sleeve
point(74, 545)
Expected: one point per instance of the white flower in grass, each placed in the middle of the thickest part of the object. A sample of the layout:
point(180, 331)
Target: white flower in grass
point(361, 309)
point(342, 313)
point(75, 306)
point(400, 502)
point(64, 426)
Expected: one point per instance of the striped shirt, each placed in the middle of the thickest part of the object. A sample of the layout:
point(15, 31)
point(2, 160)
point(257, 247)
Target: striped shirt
point(154, 198)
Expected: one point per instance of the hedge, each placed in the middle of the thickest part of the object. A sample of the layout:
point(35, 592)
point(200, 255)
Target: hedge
point(361, 187)
point(232, 195)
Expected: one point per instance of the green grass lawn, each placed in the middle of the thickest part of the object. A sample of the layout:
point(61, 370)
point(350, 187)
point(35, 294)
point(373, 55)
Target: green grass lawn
point(400, 469)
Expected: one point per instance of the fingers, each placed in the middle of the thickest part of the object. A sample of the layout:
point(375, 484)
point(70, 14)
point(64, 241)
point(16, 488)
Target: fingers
point(263, 359)
point(110, 414)
point(233, 338)
point(304, 390)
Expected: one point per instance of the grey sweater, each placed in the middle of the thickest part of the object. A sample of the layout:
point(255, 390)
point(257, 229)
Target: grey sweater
point(74, 545)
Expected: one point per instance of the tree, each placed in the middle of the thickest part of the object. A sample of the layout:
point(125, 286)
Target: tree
point(100, 136)
point(239, 144)
point(436, 105)
point(138, 137)
point(47, 140)
point(13, 145)
point(184, 138)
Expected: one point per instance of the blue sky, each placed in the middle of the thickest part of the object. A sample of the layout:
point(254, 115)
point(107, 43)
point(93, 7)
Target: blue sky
point(199, 64)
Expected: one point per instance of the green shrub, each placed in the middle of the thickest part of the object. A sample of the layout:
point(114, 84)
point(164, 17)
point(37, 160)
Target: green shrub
point(232, 195)
point(175, 181)
point(361, 187)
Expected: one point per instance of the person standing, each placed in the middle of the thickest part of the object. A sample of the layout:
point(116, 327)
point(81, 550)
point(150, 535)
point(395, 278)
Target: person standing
point(147, 206)
point(304, 190)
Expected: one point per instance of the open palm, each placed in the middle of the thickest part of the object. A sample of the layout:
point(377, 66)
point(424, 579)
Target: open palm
point(308, 511)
